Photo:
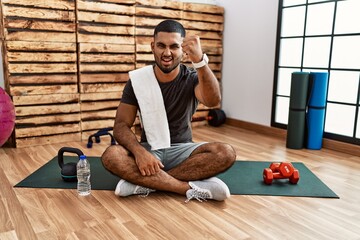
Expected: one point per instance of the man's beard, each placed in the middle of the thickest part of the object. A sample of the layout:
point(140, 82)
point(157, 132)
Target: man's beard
point(166, 69)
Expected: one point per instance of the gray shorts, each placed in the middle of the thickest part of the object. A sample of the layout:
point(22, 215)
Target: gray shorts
point(174, 155)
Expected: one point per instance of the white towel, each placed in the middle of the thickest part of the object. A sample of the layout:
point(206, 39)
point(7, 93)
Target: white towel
point(152, 109)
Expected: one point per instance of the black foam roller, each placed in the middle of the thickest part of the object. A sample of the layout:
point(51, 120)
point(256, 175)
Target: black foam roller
point(297, 110)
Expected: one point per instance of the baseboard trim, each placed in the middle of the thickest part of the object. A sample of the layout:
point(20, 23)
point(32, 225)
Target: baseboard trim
point(281, 133)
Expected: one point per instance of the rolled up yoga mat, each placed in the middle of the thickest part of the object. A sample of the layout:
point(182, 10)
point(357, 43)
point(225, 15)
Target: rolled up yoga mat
point(315, 117)
point(297, 110)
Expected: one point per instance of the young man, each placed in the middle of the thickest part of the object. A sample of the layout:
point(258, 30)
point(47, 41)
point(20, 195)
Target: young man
point(181, 166)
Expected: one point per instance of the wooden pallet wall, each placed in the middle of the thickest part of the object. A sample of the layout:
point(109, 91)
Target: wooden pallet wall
point(106, 38)
point(41, 70)
point(66, 62)
point(206, 21)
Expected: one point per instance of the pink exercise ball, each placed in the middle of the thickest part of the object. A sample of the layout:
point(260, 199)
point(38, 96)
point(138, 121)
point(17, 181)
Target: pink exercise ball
point(7, 116)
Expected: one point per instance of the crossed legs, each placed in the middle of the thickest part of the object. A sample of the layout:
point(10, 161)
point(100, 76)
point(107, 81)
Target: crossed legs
point(205, 161)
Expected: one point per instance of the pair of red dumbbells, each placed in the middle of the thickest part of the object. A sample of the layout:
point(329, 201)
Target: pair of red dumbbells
point(281, 171)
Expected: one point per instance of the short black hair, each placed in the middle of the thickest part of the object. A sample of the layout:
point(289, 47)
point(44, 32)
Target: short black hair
point(170, 26)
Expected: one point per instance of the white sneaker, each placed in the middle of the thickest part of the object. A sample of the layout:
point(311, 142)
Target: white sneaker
point(212, 188)
point(124, 189)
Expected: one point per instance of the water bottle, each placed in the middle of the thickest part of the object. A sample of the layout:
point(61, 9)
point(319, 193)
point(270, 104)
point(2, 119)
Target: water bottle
point(83, 176)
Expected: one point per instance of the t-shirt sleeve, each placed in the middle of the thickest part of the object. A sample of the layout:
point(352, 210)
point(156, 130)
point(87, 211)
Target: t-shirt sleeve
point(128, 95)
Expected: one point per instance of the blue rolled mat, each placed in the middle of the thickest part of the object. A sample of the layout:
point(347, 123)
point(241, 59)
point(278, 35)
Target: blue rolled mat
point(315, 128)
point(315, 116)
point(297, 110)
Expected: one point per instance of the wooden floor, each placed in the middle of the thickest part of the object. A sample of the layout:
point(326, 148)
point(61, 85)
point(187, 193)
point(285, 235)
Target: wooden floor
point(27, 213)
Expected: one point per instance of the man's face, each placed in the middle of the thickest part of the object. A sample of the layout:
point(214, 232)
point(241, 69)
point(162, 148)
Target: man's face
point(167, 50)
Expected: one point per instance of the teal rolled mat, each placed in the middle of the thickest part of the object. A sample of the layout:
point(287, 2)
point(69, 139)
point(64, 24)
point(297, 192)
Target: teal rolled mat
point(315, 115)
point(297, 110)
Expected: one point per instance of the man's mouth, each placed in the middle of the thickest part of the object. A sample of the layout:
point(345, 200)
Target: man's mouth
point(166, 61)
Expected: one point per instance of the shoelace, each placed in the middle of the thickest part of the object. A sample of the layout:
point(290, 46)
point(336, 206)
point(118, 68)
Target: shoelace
point(198, 194)
point(143, 191)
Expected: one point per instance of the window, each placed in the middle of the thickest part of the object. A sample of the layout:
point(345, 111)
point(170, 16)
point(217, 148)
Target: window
point(320, 35)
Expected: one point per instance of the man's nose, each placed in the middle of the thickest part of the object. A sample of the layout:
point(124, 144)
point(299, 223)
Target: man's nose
point(167, 52)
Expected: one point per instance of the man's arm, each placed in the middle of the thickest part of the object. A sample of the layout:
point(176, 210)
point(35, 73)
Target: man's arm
point(125, 117)
point(208, 89)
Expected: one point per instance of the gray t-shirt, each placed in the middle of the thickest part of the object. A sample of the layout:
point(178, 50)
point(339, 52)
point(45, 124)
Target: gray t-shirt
point(179, 100)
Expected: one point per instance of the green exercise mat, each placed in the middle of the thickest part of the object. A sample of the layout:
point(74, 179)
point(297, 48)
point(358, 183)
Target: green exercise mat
point(243, 178)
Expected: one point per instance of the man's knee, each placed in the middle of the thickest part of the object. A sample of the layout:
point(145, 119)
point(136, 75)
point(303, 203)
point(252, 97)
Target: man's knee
point(111, 154)
point(224, 152)
point(228, 153)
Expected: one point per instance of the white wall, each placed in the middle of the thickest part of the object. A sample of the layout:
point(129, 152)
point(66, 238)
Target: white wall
point(248, 59)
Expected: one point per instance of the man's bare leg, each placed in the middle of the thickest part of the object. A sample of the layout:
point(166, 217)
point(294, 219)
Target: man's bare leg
point(118, 161)
point(206, 161)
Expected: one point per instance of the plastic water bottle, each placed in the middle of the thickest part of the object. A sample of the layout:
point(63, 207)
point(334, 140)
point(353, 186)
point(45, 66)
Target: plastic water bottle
point(83, 176)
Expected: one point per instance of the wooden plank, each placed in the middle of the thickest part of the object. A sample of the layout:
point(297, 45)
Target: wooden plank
point(38, 13)
point(96, 38)
point(128, 2)
point(105, 7)
point(158, 13)
point(205, 34)
point(211, 43)
point(53, 4)
point(40, 57)
point(143, 48)
point(29, 24)
point(98, 78)
point(106, 48)
point(42, 68)
point(47, 130)
point(215, 59)
point(38, 90)
point(97, 124)
point(147, 21)
point(106, 67)
point(104, 87)
point(47, 109)
point(40, 46)
point(212, 50)
point(206, 8)
point(42, 79)
point(145, 57)
point(195, 16)
point(98, 115)
point(101, 105)
point(108, 29)
point(45, 99)
point(202, 25)
point(48, 119)
point(38, 141)
point(144, 40)
point(40, 36)
point(96, 96)
point(105, 18)
point(144, 31)
point(115, 58)
point(215, 66)
point(161, 3)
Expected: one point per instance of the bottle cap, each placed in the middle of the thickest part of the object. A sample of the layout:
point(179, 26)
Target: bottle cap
point(82, 157)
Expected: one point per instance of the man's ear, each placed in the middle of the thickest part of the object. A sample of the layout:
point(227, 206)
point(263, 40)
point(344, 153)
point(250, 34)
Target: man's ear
point(152, 46)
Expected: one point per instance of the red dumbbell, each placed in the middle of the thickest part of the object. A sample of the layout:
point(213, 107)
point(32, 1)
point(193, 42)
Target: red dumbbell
point(281, 171)
point(285, 168)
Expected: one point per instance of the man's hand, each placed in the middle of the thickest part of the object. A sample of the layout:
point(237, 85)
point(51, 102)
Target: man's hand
point(192, 47)
point(148, 164)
